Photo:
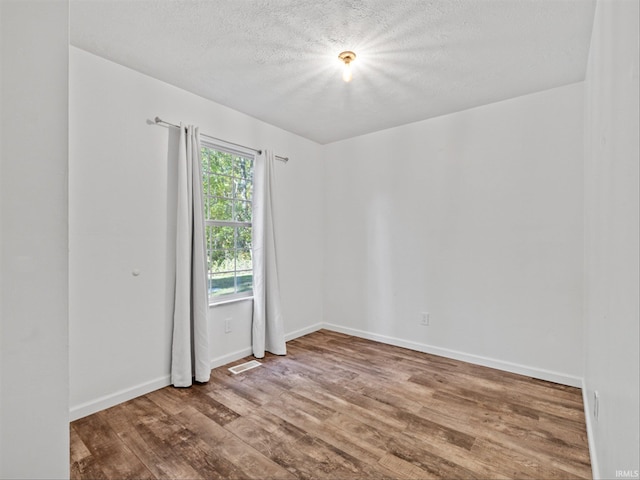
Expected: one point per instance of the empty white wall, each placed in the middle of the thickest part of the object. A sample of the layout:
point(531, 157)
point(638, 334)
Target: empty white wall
point(474, 217)
point(34, 416)
point(1, 230)
point(611, 238)
point(122, 217)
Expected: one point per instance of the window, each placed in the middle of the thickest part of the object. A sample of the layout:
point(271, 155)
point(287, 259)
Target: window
point(227, 180)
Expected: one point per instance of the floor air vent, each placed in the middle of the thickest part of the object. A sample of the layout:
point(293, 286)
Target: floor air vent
point(243, 367)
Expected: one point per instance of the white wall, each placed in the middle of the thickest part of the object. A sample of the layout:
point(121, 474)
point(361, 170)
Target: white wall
point(1, 236)
point(34, 440)
point(611, 238)
point(122, 217)
point(474, 217)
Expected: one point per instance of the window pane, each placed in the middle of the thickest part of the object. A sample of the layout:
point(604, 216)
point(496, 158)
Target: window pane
point(221, 284)
point(208, 239)
point(205, 185)
point(220, 209)
point(222, 237)
point(218, 185)
point(204, 157)
point(245, 281)
point(244, 168)
point(243, 260)
point(243, 190)
point(206, 206)
point(243, 211)
point(224, 164)
point(216, 162)
point(244, 238)
point(244, 179)
point(208, 159)
point(221, 261)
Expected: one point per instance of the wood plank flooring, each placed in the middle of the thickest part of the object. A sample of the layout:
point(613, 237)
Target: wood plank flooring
point(340, 407)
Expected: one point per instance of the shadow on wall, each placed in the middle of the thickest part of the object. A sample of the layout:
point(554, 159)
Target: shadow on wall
point(380, 252)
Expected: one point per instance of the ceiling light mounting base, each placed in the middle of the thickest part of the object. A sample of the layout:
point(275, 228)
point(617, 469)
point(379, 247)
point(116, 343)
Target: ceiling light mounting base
point(347, 56)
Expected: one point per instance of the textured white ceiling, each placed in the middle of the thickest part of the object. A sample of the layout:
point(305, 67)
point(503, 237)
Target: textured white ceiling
point(276, 60)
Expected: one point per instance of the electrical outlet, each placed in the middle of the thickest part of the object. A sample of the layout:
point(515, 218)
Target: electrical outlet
point(596, 404)
point(424, 319)
point(227, 325)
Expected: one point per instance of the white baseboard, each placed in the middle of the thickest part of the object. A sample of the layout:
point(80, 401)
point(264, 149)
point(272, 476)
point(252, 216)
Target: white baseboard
point(230, 357)
point(588, 408)
point(126, 394)
point(542, 374)
point(120, 396)
point(113, 399)
point(303, 331)
point(107, 401)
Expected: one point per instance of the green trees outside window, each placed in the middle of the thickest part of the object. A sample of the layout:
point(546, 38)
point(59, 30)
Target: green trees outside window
point(227, 180)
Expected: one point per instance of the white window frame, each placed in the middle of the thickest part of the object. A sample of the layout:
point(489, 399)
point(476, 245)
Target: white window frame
point(221, 146)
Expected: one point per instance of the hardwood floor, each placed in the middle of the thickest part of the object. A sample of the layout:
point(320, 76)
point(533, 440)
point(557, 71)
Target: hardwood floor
point(340, 407)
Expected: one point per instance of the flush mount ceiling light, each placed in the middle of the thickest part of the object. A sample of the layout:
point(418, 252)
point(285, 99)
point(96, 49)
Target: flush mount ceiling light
point(347, 57)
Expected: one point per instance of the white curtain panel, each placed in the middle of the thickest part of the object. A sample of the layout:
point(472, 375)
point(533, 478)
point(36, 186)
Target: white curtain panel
point(190, 350)
point(268, 325)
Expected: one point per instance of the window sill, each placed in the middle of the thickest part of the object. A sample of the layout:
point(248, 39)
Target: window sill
point(230, 300)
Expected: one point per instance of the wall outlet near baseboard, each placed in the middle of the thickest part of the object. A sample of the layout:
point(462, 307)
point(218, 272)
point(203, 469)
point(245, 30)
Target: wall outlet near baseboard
point(424, 319)
point(227, 325)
